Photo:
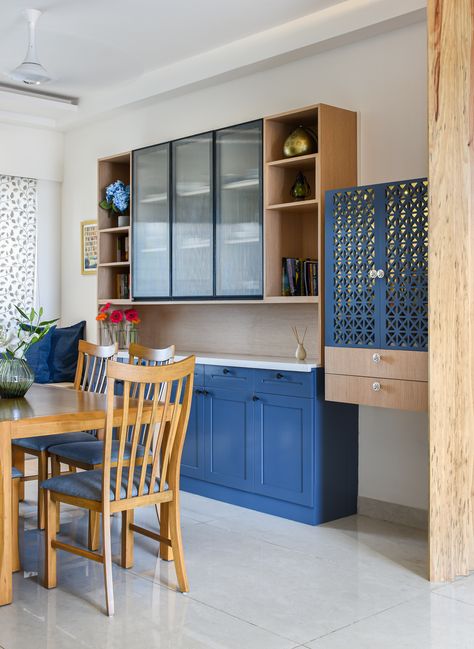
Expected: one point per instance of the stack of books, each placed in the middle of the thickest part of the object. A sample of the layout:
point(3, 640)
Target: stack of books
point(122, 248)
point(299, 276)
point(123, 288)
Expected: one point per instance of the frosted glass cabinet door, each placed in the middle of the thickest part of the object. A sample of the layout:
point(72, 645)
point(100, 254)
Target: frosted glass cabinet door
point(193, 227)
point(151, 222)
point(239, 211)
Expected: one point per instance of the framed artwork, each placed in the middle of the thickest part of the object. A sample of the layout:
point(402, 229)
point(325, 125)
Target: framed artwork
point(89, 247)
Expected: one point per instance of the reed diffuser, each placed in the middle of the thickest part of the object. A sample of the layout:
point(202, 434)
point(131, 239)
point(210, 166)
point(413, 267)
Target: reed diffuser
point(300, 353)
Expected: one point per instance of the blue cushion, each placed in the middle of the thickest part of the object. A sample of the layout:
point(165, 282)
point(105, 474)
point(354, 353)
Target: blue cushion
point(91, 453)
point(88, 484)
point(64, 352)
point(38, 356)
point(43, 442)
point(16, 473)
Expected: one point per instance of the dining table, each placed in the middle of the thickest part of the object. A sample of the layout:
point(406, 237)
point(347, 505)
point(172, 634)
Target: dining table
point(45, 410)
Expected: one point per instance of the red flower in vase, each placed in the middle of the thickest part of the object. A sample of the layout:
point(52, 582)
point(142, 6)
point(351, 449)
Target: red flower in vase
point(104, 308)
point(131, 315)
point(116, 316)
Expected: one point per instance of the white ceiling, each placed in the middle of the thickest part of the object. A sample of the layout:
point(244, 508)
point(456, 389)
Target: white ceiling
point(112, 52)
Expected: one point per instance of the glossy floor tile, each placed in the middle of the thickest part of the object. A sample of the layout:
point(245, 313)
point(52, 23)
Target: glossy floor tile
point(257, 581)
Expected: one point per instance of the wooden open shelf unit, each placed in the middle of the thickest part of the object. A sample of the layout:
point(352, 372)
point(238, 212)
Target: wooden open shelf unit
point(117, 167)
point(291, 229)
point(296, 228)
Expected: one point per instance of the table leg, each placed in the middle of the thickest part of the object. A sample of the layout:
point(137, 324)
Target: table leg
point(6, 590)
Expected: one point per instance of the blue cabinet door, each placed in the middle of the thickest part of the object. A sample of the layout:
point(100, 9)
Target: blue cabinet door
point(192, 459)
point(228, 438)
point(284, 448)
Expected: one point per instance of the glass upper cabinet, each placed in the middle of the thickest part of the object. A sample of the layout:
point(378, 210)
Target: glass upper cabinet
point(239, 211)
point(193, 223)
point(151, 222)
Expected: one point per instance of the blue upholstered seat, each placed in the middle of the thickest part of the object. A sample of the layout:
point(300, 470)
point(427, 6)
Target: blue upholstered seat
point(16, 473)
point(43, 442)
point(88, 484)
point(91, 454)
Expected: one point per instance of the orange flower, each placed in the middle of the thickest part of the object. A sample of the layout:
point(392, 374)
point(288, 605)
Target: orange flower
point(101, 316)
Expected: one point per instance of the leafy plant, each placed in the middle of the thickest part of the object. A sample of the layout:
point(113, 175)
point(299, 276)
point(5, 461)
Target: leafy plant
point(29, 331)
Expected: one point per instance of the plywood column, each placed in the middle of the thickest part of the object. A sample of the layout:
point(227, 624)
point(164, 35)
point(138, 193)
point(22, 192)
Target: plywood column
point(451, 286)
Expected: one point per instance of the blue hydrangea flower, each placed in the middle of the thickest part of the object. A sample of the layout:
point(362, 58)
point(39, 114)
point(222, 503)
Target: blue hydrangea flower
point(121, 199)
point(112, 188)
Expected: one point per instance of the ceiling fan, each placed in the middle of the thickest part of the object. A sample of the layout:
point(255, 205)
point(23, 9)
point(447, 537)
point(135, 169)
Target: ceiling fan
point(31, 72)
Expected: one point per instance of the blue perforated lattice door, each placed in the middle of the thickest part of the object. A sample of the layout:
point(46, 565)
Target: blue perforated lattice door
point(378, 227)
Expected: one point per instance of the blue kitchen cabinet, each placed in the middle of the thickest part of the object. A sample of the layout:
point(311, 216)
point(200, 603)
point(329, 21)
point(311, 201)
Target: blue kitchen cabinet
point(228, 437)
point(267, 440)
point(284, 447)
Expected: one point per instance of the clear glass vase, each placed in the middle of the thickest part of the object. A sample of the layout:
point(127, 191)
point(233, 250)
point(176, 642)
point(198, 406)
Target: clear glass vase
point(122, 333)
point(16, 378)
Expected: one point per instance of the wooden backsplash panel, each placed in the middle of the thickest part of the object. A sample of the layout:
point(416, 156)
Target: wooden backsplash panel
point(263, 329)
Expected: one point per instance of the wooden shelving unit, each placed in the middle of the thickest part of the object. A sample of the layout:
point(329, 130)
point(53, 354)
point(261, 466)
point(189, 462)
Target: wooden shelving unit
point(112, 236)
point(291, 229)
point(296, 228)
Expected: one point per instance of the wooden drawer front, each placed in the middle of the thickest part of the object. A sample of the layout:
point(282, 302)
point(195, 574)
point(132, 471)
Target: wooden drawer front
point(393, 364)
point(393, 393)
point(236, 378)
point(293, 384)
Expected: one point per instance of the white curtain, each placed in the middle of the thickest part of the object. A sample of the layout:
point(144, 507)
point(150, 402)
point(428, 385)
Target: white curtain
point(18, 207)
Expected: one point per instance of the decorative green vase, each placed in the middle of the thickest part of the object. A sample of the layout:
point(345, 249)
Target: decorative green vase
point(301, 188)
point(302, 141)
point(16, 378)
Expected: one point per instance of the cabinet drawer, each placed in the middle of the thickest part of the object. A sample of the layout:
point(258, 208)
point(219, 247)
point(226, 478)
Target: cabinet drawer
point(292, 384)
point(384, 363)
point(393, 393)
point(220, 376)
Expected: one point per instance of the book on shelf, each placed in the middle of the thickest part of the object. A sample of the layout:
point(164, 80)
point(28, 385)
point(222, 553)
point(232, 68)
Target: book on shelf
point(122, 248)
point(299, 276)
point(123, 290)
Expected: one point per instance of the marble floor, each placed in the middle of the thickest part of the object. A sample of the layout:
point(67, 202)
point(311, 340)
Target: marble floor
point(257, 582)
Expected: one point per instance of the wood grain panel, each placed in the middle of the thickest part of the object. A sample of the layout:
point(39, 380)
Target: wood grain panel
point(5, 518)
point(395, 364)
point(451, 282)
point(402, 395)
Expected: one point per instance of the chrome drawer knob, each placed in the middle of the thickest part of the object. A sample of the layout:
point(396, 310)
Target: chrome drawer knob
point(376, 387)
point(372, 273)
point(376, 358)
point(380, 274)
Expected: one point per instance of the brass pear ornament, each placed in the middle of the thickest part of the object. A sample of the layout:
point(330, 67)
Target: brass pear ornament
point(302, 141)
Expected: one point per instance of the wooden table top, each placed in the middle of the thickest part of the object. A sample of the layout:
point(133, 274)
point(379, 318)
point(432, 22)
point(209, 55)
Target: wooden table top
point(60, 408)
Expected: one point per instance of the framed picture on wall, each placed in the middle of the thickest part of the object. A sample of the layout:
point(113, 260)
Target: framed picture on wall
point(89, 247)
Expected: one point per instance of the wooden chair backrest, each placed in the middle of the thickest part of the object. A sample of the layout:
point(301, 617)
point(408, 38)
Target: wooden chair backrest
point(91, 368)
point(165, 419)
point(149, 357)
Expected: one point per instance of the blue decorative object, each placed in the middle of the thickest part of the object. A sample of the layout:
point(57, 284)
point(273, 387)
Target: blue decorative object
point(64, 351)
point(377, 266)
point(117, 197)
point(38, 358)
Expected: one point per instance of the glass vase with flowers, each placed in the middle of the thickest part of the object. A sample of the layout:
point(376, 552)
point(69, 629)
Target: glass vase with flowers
point(118, 326)
point(16, 375)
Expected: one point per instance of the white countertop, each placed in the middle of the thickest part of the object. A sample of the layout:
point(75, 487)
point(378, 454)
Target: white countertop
point(246, 360)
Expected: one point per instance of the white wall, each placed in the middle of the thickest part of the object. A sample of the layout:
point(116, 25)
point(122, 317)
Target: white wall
point(384, 79)
point(38, 153)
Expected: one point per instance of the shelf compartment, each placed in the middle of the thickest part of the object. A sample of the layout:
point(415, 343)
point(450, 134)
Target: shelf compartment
point(110, 169)
point(107, 281)
point(279, 127)
point(113, 246)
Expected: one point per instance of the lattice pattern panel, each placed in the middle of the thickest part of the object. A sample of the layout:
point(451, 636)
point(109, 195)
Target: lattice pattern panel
point(406, 250)
point(354, 296)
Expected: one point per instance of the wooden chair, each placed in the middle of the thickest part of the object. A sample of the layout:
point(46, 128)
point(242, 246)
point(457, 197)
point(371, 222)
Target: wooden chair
point(90, 376)
point(126, 486)
point(82, 455)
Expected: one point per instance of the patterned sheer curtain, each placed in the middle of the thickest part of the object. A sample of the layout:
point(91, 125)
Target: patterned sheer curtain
point(18, 206)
